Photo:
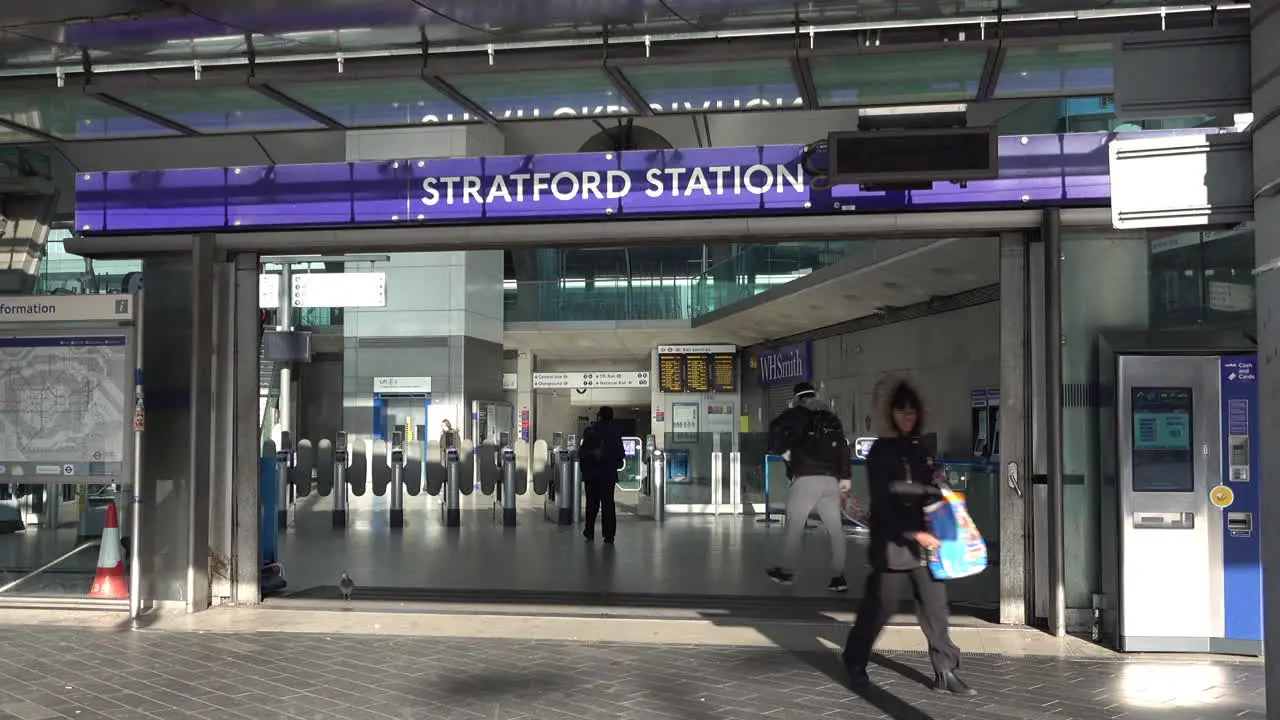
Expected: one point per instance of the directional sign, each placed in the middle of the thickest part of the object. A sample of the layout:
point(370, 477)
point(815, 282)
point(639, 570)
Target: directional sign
point(590, 379)
point(340, 290)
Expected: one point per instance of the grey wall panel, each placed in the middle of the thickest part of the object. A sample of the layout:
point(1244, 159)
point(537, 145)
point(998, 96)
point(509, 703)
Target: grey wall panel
point(1183, 73)
point(1203, 180)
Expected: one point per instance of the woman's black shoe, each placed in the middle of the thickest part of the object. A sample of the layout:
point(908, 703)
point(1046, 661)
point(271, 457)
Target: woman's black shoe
point(949, 682)
point(858, 678)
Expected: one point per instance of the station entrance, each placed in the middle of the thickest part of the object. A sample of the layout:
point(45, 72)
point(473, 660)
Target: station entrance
point(426, 475)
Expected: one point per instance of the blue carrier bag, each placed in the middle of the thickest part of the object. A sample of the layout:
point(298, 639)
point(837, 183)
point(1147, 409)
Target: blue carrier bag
point(962, 552)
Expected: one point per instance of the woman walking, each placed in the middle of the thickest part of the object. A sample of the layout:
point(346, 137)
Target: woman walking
point(900, 475)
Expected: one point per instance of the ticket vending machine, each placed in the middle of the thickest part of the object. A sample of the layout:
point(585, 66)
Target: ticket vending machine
point(1190, 545)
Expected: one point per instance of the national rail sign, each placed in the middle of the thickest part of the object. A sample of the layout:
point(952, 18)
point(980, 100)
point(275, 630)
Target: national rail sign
point(590, 379)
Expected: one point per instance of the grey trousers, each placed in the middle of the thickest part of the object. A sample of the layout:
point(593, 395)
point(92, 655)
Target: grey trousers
point(810, 492)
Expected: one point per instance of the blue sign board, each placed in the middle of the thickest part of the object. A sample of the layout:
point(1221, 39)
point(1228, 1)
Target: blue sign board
point(784, 365)
point(1034, 171)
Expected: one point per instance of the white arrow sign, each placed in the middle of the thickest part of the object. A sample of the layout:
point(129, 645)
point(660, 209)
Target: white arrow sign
point(340, 290)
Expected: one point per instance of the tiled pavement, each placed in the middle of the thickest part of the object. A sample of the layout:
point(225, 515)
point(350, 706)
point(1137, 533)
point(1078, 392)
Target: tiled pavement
point(94, 674)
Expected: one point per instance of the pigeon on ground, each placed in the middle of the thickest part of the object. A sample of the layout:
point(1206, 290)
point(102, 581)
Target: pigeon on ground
point(345, 586)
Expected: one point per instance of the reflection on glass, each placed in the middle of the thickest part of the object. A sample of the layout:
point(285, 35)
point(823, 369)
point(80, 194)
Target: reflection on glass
point(710, 87)
point(1073, 69)
point(898, 77)
point(378, 103)
point(543, 94)
point(76, 117)
point(218, 109)
point(40, 523)
point(1202, 279)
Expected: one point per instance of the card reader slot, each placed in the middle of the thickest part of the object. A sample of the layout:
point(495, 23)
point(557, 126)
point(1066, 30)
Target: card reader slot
point(1164, 521)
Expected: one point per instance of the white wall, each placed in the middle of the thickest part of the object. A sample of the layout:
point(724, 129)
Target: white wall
point(559, 410)
point(946, 355)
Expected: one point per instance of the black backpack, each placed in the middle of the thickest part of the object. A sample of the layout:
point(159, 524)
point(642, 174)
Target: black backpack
point(592, 447)
point(823, 440)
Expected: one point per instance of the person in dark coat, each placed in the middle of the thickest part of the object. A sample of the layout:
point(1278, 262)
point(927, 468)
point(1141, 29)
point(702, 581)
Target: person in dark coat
point(600, 455)
point(901, 478)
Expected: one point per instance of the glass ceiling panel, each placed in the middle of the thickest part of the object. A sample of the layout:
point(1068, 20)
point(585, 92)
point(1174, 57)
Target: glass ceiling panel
point(378, 103)
point(1077, 69)
point(755, 85)
point(220, 109)
point(71, 116)
point(543, 94)
point(898, 78)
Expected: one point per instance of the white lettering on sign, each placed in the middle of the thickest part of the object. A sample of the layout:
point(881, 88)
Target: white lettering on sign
point(685, 106)
point(340, 290)
point(508, 381)
point(778, 366)
point(696, 349)
point(591, 379)
point(613, 184)
point(402, 385)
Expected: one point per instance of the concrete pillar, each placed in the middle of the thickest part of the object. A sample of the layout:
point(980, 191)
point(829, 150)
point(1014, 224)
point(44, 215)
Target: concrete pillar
point(1266, 178)
point(174, 492)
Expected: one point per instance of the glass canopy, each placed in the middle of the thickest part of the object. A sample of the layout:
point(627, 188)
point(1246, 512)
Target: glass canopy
point(220, 109)
point(522, 61)
point(378, 103)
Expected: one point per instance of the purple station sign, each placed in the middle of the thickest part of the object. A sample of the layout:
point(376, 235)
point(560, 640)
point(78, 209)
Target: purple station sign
point(1035, 171)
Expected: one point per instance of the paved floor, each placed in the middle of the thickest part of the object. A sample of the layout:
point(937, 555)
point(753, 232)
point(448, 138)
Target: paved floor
point(52, 672)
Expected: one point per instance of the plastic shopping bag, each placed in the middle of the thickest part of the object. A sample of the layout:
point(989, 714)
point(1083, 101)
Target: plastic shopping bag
point(962, 552)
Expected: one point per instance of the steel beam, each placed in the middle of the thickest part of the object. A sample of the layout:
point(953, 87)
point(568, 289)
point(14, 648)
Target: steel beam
point(991, 72)
point(304, 110)
point(442, 86)
point(151, 117)
point(803, 76)
point(627, 91)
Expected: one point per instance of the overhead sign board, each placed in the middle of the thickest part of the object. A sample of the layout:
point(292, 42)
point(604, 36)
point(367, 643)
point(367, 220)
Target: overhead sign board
point(696, 349)
point(401, 385)
point(340, 290)
point(1042, 170)
point(590, 379)
point(509, 381)
point(66, 308)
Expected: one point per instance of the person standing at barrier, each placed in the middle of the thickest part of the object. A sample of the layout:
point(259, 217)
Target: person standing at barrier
point(600, 454)
point(819, 465)
point(902, 482)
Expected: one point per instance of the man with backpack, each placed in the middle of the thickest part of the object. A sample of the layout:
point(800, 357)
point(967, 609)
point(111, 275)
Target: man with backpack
point(820, 467)
point(600, 454)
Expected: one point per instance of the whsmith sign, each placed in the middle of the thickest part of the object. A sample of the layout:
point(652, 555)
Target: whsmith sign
point(1035, 171)
point(784, 365)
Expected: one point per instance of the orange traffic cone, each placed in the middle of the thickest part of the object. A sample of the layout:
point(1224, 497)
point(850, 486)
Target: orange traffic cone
point(110, 582)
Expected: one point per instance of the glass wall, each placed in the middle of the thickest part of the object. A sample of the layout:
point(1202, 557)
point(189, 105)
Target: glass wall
point(1111, 281)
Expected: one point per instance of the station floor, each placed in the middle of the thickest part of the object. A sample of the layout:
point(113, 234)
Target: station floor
point(233, 664)
point(656, 565)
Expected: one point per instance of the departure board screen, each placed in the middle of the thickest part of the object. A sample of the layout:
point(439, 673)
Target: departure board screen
point(697, 373)
point(1162, 455)
point(671, 373)
point(724, 372)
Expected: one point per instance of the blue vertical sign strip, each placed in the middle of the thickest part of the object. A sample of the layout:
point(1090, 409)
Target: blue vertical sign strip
point(379, 417)
point(1241, 548)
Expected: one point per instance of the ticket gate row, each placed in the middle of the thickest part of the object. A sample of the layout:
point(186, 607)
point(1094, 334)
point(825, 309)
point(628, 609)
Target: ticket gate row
point(444, 468)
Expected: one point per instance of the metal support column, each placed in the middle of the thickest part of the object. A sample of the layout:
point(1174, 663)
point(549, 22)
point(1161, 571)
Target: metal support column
point(135, 479)
point(201, 441)
point(1015, 487)
point(1052, 233)
point(246, 559)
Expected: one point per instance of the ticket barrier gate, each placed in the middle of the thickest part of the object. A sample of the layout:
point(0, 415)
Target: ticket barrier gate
point(563, 505)
point(453, 457)
point(651, 501)
point(1190, 575)
point(512, 480)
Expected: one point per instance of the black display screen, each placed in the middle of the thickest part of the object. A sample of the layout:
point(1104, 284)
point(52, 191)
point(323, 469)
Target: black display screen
point(886, 156)
point(1162, 454)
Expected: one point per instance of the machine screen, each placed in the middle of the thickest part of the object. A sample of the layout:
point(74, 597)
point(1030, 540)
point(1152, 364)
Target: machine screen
point(1162, 457)
point(630, 446)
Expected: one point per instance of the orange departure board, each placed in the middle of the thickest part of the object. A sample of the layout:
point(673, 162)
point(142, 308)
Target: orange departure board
point(697, 374)
point(724, 372)
point(671, 373)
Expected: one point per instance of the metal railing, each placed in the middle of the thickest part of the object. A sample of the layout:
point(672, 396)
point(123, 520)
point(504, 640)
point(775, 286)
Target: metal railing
point(50, 565)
